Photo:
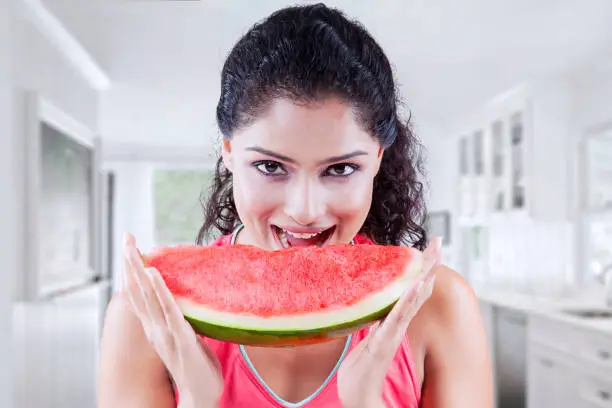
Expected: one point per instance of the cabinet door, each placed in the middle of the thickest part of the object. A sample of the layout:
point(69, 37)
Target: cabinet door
point(551, 382)
point(510, 358)
point(488, 317)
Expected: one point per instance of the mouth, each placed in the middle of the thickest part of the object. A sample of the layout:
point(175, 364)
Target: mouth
point(288, 238)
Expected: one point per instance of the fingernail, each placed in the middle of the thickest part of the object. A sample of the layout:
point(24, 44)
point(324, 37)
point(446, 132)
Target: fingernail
point(128, 239)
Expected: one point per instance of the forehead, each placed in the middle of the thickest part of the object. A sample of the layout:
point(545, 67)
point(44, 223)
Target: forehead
point(314, 130)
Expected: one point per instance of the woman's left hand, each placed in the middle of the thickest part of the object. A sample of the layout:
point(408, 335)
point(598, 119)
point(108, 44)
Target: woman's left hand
point(362, 373)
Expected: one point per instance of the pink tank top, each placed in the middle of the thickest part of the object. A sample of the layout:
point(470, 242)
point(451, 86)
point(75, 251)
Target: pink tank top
point(245, 388)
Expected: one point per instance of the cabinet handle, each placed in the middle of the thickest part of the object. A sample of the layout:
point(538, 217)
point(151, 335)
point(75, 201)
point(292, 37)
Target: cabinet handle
point(604, 354)
point(604, 395)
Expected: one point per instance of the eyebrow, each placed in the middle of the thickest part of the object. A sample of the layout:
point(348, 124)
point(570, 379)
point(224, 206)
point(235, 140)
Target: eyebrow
point(290, 160)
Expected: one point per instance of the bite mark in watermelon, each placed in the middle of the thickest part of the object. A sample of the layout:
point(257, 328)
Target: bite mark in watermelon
point(247, 295)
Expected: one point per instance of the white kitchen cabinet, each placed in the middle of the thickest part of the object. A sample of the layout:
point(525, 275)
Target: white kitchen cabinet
point(515, 156)
point(567, 366)
point(551, 381)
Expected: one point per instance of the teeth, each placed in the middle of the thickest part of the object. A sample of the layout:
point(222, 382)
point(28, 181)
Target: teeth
point(283, 239)
point(301, 235)
point(283, 236)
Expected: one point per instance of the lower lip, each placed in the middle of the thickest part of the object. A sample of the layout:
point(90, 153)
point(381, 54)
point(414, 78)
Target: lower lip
point(330, 231)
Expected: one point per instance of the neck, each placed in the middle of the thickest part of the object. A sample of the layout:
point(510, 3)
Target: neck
point(295, 358)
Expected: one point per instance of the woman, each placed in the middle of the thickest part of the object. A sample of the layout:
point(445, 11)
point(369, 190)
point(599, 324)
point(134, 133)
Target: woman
point(314, 153)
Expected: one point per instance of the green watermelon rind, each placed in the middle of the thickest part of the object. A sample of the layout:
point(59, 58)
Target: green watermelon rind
point(277, 338)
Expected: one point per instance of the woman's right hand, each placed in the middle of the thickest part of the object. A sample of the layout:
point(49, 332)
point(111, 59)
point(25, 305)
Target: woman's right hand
point(193, 366)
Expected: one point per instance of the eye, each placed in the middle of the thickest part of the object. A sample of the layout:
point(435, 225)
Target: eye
point(270, 168)
point(341, 170)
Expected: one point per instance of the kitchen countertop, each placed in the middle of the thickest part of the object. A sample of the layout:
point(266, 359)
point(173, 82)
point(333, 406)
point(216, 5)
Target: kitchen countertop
point(552, 307)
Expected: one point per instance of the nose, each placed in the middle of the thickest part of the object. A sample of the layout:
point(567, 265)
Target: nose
point(305, 201)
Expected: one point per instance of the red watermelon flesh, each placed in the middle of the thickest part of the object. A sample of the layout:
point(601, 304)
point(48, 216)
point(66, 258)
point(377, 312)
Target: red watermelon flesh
point(225, 285)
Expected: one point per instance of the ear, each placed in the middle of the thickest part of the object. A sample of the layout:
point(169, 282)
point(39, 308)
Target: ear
point(381, 151)
point(226, 154)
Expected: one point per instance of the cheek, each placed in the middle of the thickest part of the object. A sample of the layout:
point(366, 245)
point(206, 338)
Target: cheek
point(352, 205)
point(254, 195)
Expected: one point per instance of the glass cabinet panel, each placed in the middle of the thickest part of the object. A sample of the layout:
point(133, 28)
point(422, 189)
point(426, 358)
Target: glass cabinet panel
point(498, 162)
point(517, 139)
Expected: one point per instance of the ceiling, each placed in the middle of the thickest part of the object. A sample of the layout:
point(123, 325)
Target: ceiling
point(449, 55)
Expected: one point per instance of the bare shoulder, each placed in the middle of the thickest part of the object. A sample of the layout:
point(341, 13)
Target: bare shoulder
point(450, 316)
point(123, 335)
point(130, 373)
point(452, 298)
point(450, 342)
point(121, 324)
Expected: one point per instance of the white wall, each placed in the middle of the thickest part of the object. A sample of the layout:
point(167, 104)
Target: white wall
point(179, 113)
point(592, 96)
point(9, 206)
point(36, 66)
point(441, 169)
point(41, 67)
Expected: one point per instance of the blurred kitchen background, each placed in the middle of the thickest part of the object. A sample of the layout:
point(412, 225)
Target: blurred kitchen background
point(107, 119)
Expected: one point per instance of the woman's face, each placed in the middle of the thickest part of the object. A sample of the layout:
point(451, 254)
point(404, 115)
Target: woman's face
point(302, 175)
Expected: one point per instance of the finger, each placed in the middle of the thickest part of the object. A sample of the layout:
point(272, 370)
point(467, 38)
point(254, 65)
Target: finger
point(132, 290)
point(147, 292)
point(429, 274)
point(430, 259)
point(432, 254)
point(394, 326)
point(173, 315)
point(390, 332)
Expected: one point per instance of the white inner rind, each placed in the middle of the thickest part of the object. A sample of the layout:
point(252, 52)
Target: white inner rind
point(313, 320)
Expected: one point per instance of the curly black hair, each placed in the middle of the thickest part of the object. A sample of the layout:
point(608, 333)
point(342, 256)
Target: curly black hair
point(309, 53)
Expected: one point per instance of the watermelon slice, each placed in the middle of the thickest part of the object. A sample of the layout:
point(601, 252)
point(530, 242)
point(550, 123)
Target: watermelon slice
point(246, 295)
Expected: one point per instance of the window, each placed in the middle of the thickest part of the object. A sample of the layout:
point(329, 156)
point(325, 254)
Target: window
point(178, 205)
